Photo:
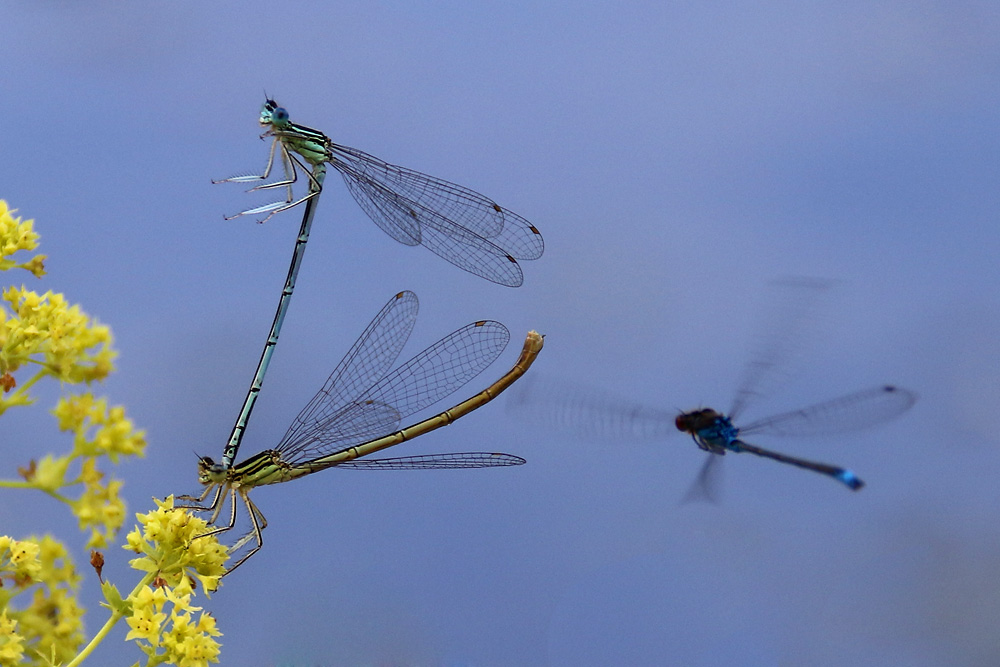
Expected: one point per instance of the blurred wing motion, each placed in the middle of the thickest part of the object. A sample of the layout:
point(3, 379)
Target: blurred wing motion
point(792, 306)
point(587, 413)
point(707, 486)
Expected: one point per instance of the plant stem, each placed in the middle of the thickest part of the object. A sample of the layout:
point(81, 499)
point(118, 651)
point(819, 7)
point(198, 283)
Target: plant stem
point(103, 632)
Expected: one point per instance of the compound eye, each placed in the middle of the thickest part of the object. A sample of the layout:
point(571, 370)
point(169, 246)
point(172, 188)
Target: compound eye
point(683, 422)
point(280, 114)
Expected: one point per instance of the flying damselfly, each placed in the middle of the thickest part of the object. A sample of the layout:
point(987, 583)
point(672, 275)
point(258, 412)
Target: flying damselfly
point(594, 414)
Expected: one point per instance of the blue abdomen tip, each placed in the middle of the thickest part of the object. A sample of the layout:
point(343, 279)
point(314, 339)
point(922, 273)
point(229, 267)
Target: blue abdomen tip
point(850, 479)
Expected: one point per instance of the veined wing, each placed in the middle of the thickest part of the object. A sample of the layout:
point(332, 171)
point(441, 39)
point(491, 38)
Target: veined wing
point(436, 461)
point(467, 207)
point(427, 378)
point(458, 224)
point(847, 413)
point(359, 421)
point(368, 360)
point(519, 237)
point(588, 413)
point(457, 203)
point(413, 224)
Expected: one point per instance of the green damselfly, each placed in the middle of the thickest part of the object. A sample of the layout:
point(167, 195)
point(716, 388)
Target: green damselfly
point(229, 453)
point(360, 408)
point(464, 227)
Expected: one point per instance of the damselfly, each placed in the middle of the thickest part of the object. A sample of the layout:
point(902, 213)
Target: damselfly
point(360, 408)
point(715, 433)
point(464, 227)
point(229, 453)
point(593, 414)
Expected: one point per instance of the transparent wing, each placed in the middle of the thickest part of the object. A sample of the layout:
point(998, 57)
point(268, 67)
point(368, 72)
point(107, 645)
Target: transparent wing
point(459, 224)
point(707, 486)
point(587, 413)
point(461, 205)
point(793, 304)
point(429, 461)
point(377, 410)
point(358, 421)
point(847, 413)
point(368, 360)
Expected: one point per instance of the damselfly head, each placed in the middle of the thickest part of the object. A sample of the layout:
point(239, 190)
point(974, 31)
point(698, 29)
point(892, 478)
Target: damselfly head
point(696, 420)
point(273, 115)
point(208, 470)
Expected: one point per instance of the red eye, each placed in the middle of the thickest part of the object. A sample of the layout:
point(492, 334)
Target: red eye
point(683, 422)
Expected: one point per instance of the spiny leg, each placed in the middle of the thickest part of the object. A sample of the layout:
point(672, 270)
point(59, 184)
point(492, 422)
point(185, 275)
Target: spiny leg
point(272, 209)
point(259, 524)
point(249, 178)
point(200, 499)
point(215, 516)
point(291, 174)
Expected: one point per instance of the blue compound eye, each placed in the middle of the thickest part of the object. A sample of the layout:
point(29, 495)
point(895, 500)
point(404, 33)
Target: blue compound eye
point(280, 114)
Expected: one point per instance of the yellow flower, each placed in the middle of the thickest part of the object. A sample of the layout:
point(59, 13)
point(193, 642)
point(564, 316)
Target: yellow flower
point(36, 265)
point(150, 597)
point(190, 644)
point(174, 547)
point(115, 435)
point(23, 556)
point(72, 411)
point(75, 348)
point(50, 473)
point(99, 506)
point(56, 619)
point(17, 235)
point(146, 623)
point(11, 643)
point(185, 643)
point(134, 542)
point(55, 562)
point(51, 625)
point(180, 596)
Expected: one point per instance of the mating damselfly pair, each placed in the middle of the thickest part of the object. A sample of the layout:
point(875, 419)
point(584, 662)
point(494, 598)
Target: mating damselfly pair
point(360, 409)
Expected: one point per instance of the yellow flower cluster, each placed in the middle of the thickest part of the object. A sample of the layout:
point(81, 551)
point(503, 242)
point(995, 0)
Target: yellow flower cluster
point(171, 552)
point(47, 336)
point(98, 431)
point(99, 506)
point(115, 435)
point(11, 643)
point(174, 553)
point(46, 330)
point(17, 235)
point(179, 639)
point(51, 623)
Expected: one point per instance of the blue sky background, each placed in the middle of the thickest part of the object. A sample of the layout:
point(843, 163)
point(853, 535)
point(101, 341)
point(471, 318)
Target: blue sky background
point(677, 157)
